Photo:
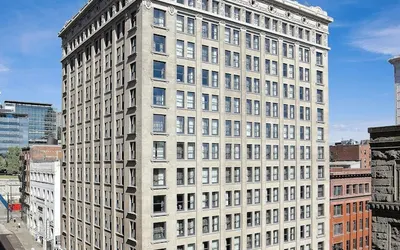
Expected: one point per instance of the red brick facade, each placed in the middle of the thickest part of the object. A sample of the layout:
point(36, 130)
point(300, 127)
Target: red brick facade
point(360, 152)
point(350, 214)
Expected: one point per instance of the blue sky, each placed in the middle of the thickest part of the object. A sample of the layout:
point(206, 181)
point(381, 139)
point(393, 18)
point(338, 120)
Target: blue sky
point(363, 37)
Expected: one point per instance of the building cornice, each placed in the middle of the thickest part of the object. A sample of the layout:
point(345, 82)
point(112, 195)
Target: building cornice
point(314, 12)
point(385, 206)
point(349, 176)
point(394, 60)
point(76, 16)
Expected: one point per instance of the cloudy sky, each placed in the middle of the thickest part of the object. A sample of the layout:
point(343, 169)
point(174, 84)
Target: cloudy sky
point(363, 37)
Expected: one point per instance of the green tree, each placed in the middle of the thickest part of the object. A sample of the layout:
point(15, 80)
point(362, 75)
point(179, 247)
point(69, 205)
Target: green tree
point(3, 165)
point(12, 160)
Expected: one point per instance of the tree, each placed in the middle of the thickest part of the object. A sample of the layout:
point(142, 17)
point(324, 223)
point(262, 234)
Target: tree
point(3, 166)
point(12, 160)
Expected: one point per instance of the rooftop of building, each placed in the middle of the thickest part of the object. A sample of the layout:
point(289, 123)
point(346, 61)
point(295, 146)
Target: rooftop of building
point(389, 135)
point(384, 129)
point(351, 142)
point(296, 6)
point(347, 168)
point(30, 103)
point(395, 60)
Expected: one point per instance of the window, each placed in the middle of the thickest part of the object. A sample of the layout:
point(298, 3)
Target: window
point(204, 53)
point(159, 123)
point(159, 18)
point(320, 191)
point(206, 150)
point(180, 47)
point(159, 69)
point(214, 55)
point(180, 97)
point(159, 43)
point(318, 38)
point(338, 229)
point(180, 73)
point(159, 96)
point(319, 58)
point(205, 77)
point(159, 204)
point(214, 126)
point(320, 96)
point(190, 25)
point(205, 102)
point(320, 171)
point(190, 50)
point(320, 134)
point(320, 77)
point(338, 210)
point(191, 125)
point(159, 231)
point(321, 228)
point(159, 150)
point(338, 190)
point(320, 152)
point(215, 153)
point(180, 125)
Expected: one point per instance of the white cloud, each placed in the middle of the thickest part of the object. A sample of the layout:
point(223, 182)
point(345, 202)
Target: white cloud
point(379, 34)
point(384, 40)
point(357, 130)
point(3, 68)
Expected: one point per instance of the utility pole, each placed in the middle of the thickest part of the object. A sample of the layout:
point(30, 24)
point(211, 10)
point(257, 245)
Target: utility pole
point(8, 208)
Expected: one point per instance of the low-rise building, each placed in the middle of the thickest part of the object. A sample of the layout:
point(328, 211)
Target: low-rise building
point(349, 204)
point(41, 193)
point(351, 150)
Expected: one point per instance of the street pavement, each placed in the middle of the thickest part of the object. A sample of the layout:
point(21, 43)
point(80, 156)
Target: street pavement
point(20, 238)
point(23, 235)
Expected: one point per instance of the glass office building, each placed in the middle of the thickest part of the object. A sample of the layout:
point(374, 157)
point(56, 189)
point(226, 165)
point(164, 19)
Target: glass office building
point(13, 131)
point(42, 119)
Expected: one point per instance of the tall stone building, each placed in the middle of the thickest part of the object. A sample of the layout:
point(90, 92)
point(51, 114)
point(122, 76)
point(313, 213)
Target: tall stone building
point(195, 125)
point(385, 205)
point(395, 61)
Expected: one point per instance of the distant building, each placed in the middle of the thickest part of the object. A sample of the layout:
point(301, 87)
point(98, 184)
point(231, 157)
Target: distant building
point(41, 192)
point(352, 151)
point(385, 204)
point(58, 125)
point(396, 64)
point(13, 130)
point(42, 119)
point(350, 214)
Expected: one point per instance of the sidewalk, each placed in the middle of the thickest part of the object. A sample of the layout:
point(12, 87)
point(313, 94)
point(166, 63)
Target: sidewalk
point(23, 235)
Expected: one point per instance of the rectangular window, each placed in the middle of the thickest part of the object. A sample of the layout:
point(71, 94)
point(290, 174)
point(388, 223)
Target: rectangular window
point(159, 123)
point(158, 43)
point(159, 148)
point(159, 69)
point(159, 96)
point(159, 18)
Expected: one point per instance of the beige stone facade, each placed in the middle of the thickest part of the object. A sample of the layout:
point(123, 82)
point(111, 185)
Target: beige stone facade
point(195, 125)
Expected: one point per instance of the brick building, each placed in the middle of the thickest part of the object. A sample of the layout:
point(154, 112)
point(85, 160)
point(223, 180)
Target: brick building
point(352, 151)
point(385, 204)
point(350, 214)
